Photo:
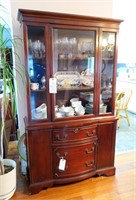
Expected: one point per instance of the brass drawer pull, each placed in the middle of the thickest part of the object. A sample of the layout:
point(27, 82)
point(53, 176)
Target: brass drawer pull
point(59, 156)
point(91, 151)
point(56, 175)
point(90, 134)
point(63, 138)
point(89, 165)
point(77, 130)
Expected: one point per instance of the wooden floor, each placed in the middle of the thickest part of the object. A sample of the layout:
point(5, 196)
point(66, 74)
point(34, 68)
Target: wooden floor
point(122, 186)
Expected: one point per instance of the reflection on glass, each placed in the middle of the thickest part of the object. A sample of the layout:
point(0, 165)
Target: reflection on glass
point(37, 48)
point(108, 45)
point(73, 66)
point(37, 72)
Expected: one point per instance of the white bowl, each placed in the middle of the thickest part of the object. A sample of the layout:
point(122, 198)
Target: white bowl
point(101, 105)
point(59, 114)
point(41, 108)
point(68, 114)
point(74, 99)
point(76, 103)
point(69, 111)
point(80, 110)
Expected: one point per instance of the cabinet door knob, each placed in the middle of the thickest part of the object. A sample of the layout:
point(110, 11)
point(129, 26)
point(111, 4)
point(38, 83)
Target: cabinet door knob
point(63, 138)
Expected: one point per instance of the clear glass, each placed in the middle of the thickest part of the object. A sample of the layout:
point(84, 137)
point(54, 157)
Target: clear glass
point(108, 51)
point(37, 72)
point(73, 67)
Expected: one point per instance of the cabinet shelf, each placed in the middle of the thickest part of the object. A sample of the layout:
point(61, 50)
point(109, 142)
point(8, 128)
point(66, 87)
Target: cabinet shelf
point(107, 59)
point(39, 90)
point(83, 88)
point(74, 58)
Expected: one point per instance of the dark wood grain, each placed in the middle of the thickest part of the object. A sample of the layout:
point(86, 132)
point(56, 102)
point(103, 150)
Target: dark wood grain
point(86, 142)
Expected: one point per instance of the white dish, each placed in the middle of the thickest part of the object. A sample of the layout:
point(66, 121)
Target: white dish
point(39, 115)
point(41, 108)
point(59, 114)
point(80, 110)
point(67, 79)
point(69, 111)
point(74, 99)
point(87, 80)
point(76, 103)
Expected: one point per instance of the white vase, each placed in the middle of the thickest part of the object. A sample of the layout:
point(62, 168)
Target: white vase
point(8, 181)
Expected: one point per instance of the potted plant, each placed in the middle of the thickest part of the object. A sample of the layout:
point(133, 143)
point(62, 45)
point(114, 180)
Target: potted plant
point(7, 75)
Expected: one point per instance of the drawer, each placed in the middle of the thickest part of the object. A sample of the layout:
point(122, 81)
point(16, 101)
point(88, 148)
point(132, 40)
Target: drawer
point(78, 160)
point(70, 134)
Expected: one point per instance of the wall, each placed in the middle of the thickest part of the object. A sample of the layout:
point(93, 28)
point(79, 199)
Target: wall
point(127, 44)
point(5, 12)
point(87, 7)
point(127, 40)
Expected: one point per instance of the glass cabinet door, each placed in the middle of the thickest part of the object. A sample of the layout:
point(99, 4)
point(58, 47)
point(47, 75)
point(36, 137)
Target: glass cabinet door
point(73, 68)
point(37, 72)
point(107, 65)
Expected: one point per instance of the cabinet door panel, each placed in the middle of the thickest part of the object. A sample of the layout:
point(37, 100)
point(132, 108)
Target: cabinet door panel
point(39, 154)
point(79, 159)
point(37, 70)
point(74, 57)
point(106, 145)
point(107, 71)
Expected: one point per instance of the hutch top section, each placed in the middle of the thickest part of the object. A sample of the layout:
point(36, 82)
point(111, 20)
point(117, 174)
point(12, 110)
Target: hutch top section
point(71, 62)
point(61, 18)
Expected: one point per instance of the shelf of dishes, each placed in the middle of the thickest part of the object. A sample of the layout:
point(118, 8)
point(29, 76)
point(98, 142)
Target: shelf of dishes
point(76, 108)
point(68, 80)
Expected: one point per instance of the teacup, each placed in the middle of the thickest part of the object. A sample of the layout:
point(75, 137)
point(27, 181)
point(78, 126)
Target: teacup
point(34, 86)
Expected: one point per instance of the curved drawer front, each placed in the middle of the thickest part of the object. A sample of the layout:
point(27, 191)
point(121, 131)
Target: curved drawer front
point(68, 134)
point(78, 159)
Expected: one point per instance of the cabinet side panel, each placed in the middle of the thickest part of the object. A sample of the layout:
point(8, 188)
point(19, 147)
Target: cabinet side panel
point(106, 145)
point(39, 157)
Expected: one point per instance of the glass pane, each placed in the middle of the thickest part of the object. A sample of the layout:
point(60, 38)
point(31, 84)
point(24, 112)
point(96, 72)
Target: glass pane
point(73, 67)
point(37, 72)
point(108, 48)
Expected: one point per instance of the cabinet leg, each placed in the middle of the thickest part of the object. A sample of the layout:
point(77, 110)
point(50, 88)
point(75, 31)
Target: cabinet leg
point(106, 172)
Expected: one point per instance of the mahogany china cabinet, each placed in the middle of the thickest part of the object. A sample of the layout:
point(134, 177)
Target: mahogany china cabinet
point(70, 124)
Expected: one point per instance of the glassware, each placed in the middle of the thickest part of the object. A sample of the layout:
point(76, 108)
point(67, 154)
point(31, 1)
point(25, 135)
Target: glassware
point(37, 72)
point(43, 81)
point(73, 67)
point(108, 53)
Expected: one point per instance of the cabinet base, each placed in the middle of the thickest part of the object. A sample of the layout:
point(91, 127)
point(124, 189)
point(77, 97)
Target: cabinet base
point(37, 187)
